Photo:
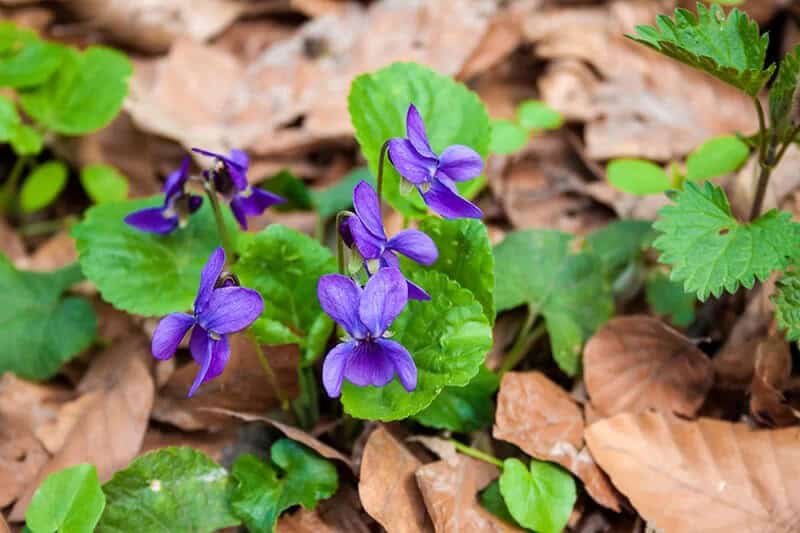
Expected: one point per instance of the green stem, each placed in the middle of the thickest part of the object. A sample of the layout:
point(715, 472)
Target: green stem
point(9, 190)
point(320, 229)
point(211, 193)
point(764, 163)
point(381, 159)
point(47, 226)
point(525, 339)
point(271, 377)
point(477, 454)
point(339, 241)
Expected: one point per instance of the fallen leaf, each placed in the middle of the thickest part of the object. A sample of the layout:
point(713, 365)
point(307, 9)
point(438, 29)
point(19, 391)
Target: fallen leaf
point(634, 363)
point(21, 457)
point(30, 404)
point(773, 368)
point(3, 525)
point(293, 433)
point(10, 242)
point(113, 424)
point(703, 475)
point(444, 448)
point(53, 433)
point(56, 252)
point(450, 492)
point(340, 513)
point(387, 487)
point(545, 422)
point(212, 444)
point(242, 386)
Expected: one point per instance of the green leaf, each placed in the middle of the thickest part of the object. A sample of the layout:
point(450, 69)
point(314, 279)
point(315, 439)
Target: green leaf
point(144, 273)
point(286, 184)
point(465, 255)
point(534, 115)
point(42, 186)
point(732, 49)
point(40, 330)
point(637, 176)
point(463, 409)
point(68, 501)
point(667, 298)
point(26, 140)
point(104, 184)
point(619, 243)
point(452, 113)
point(787, 303)
point(491, 500)
point(448, 337)
point(338, 197)
point(541, 498)
point(783, 96)
point(84, 95)
point(710, 251)
point(716, 157)
point(569, 289)
point(284, 265)
point(167, 491)
point(26, 60)
point(9, 119)
point(298, 476)
point(507, 137)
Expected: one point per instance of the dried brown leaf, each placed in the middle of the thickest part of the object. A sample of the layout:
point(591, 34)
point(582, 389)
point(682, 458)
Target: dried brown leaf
point(3, 525)
point(214, 445)
point(53, 433)
point(113, 424)
point(387, 487)
point(31, 404)
point(704, 475)
point(21, 457)
point(545, 422)
point(444, 448)
point(242, 386)
point(341, 513)
point(450, 493)
point(783, 181)
point(634, 363)
point(773, 368)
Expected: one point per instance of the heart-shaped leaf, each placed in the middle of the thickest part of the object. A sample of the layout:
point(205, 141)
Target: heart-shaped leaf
point(69, 500)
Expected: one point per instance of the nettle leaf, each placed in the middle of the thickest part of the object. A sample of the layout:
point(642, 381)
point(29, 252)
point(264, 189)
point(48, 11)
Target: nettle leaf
point(84, 95)
point(448, 337)
point(26, 140)
point(168, 490)
point(534, 115)
point(465, 255)
point(569, 289)
point(70, 500)
point(507, 137)
point(26, 60)
point(716, 157)
point(463, 409)
point(338, 197)
point(667, 298)
point(637, 176)
point(783, 95)
point(621, 242)
point(42, 186)
point(297, 476)
point(104, 184)
point(9, 119)
point(541, 498)
point(285, 265)
point(710, 251)
point(787, 303)
point(732, 49)
point(40, 329)
point(144, 273)
point(452, 113)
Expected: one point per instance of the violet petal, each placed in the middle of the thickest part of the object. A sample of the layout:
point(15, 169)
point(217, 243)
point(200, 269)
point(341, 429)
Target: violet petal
point(333, 368)
point(231, 309)
point(169, 333)
point(220, 354)
point(152, 220)
point(460, 163)
point(415, 245)
point(176, 180)
point(204, 367)
point(449, 204)
point(415, 131)
point(339, 297)
point(238, 212)
point(384, 297)
point(368, 208)
point(254, 201)
point(411, 165)
point(403, 363)
point(368, 365)
point(369, 246)
point(208, 278)
point(415, 292)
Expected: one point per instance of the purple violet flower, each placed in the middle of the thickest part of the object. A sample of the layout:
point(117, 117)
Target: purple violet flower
point(178, 205)
point(365, 232)
point(218, 312)
point(435, 176)
point(367, 357)
point(230, 180)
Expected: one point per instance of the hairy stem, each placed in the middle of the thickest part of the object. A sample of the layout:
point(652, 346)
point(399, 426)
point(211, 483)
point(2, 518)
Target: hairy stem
point(211, 193)
point(271, 377)
point(381, 159)
point(477, 454)
point(525, 339)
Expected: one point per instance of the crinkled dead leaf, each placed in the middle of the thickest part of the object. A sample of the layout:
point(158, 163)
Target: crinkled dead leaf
point(444, 448)
point(635, 363)
point(216, 445)
point(340, 513)
point(450, 492)
point(704, 475)
point(243, 386)
point(387, 486)
point(773, 368)
point(545, 422)
point(32, 404)
point(112, 426)
point(639, 104)
point(21, 457)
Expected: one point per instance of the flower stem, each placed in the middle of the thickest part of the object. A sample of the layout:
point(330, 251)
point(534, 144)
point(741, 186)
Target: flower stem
point(477, 454)
point(9, 190)
point(525, 339)
point(273, 379)
point(339, 241)
point(381, 159)
point(211, 193)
